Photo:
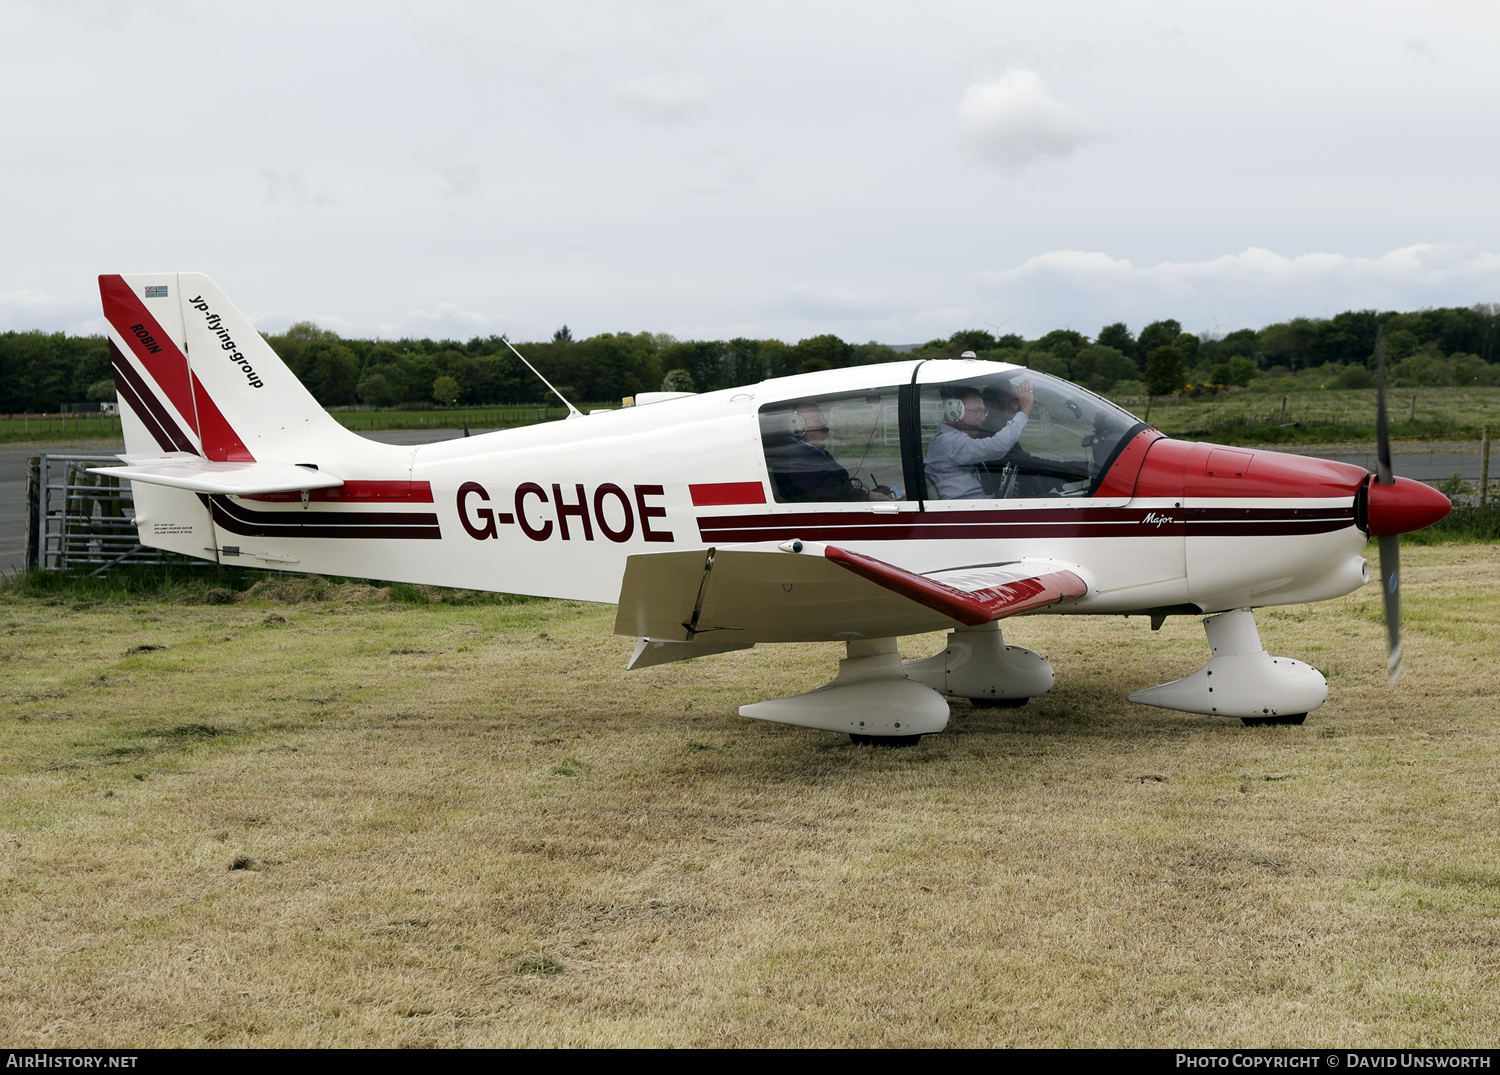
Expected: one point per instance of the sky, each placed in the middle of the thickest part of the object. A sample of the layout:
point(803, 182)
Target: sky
point(882, 171)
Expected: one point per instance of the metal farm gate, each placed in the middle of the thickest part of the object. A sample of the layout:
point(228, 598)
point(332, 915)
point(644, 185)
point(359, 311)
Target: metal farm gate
point(78, 519)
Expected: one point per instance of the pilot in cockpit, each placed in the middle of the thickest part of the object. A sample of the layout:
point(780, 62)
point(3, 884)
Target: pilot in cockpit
point(963, 442)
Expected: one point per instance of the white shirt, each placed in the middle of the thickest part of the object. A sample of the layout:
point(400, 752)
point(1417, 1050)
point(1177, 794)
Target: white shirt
point(953, 454)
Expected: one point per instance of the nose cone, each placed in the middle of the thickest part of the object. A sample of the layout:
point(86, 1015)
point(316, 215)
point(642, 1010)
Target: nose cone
point(1404, 507)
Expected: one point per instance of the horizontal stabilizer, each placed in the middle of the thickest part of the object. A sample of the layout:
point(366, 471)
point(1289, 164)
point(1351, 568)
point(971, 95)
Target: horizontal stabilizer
point(184, 470)
point(808, 592)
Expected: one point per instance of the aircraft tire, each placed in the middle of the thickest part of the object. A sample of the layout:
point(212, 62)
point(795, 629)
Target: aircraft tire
point(1260, 722)
point(998, 703)
point(885, 740)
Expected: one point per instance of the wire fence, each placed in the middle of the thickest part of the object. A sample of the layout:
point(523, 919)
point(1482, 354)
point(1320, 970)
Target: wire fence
point(75, 423)
point(78, 519)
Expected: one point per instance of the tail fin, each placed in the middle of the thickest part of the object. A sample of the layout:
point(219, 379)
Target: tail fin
point(196, 377)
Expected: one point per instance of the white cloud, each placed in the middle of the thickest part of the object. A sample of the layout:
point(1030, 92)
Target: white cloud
point(1251, 288)
point(450, 158)
point(951, 315)
point(1013, 121)
point(726, 168)
point(1422, 50)
point(664, 98)
point(832, 303)
point(26, 309)
point(27, 299)
point(447, 320)
point(292, 188)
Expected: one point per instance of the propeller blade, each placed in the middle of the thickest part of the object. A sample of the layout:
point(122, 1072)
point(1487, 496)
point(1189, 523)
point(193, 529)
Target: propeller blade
point(1390, 591)
point(1383, 473)
point(1390, 544)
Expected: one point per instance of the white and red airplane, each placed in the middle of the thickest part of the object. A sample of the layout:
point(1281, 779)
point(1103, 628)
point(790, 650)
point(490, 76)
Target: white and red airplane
point(852, 505)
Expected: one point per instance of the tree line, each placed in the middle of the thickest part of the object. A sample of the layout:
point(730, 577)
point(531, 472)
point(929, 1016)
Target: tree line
point(1447, 346)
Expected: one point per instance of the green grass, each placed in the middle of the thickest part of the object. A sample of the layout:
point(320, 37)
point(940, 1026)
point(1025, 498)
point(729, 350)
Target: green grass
point(1317, 416)
point(196, 583)
point(455, 417)
point(41, 428)
point(349, 823)
point(27, 428)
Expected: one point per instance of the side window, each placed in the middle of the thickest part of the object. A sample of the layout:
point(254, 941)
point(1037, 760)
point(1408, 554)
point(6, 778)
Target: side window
point(1016, 434)
point(834, 448)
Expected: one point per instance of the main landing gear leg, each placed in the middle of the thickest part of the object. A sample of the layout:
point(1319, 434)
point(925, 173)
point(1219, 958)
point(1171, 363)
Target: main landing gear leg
point(871, 700)
point(1242, 679)
point(977, 664)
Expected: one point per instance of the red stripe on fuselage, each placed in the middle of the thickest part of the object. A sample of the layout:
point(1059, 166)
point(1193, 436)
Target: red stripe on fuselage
point(358, 492)
point(721, 494)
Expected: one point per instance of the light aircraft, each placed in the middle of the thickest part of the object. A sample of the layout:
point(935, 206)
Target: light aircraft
point(853, 505)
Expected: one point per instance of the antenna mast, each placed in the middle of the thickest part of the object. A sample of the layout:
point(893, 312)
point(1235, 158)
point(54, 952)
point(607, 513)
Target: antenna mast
point(573, 412)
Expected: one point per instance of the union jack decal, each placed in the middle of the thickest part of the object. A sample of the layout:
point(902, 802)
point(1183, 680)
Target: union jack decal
point(156, 291)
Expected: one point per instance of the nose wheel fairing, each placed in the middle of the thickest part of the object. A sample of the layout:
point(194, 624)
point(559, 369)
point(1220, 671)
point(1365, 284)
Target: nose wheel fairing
point(1241, 679)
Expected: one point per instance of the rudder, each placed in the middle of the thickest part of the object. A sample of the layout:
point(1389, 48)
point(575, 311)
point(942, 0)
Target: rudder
point(200, 378)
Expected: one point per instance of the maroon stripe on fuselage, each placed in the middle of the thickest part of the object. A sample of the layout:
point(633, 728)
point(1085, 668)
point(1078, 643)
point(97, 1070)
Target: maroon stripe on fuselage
point(1025, 523)
point(162, 427)
point(239, 519)
point(1266, 522)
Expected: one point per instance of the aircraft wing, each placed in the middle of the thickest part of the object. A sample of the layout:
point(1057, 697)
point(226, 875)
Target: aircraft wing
point(768, 593)
point(184, 470)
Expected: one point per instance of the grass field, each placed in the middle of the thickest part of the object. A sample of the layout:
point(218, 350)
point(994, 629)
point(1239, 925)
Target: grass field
point(311, 815)
point(1256, 416)
point(42, 428)
point(455, 417)
point(45, 428)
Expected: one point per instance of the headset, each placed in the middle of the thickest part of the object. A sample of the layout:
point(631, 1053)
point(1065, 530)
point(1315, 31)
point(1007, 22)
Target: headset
point(796, 425)
point(954, 408)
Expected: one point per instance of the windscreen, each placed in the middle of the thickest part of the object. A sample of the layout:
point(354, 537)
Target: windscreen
point(1014, 435)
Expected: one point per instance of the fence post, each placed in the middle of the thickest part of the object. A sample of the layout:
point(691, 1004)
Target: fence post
point(33, 491)
point(1484, 468)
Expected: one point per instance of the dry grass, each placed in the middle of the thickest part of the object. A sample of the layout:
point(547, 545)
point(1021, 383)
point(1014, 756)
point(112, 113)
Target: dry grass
point(364, 823)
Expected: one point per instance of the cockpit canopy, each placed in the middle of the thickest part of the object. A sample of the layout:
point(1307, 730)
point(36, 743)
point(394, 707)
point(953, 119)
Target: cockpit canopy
point(962, 439)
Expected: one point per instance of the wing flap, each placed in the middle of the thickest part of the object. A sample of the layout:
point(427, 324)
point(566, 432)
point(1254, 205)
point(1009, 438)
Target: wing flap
point(761, 593)
point(184, 470)
point(970, 595)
